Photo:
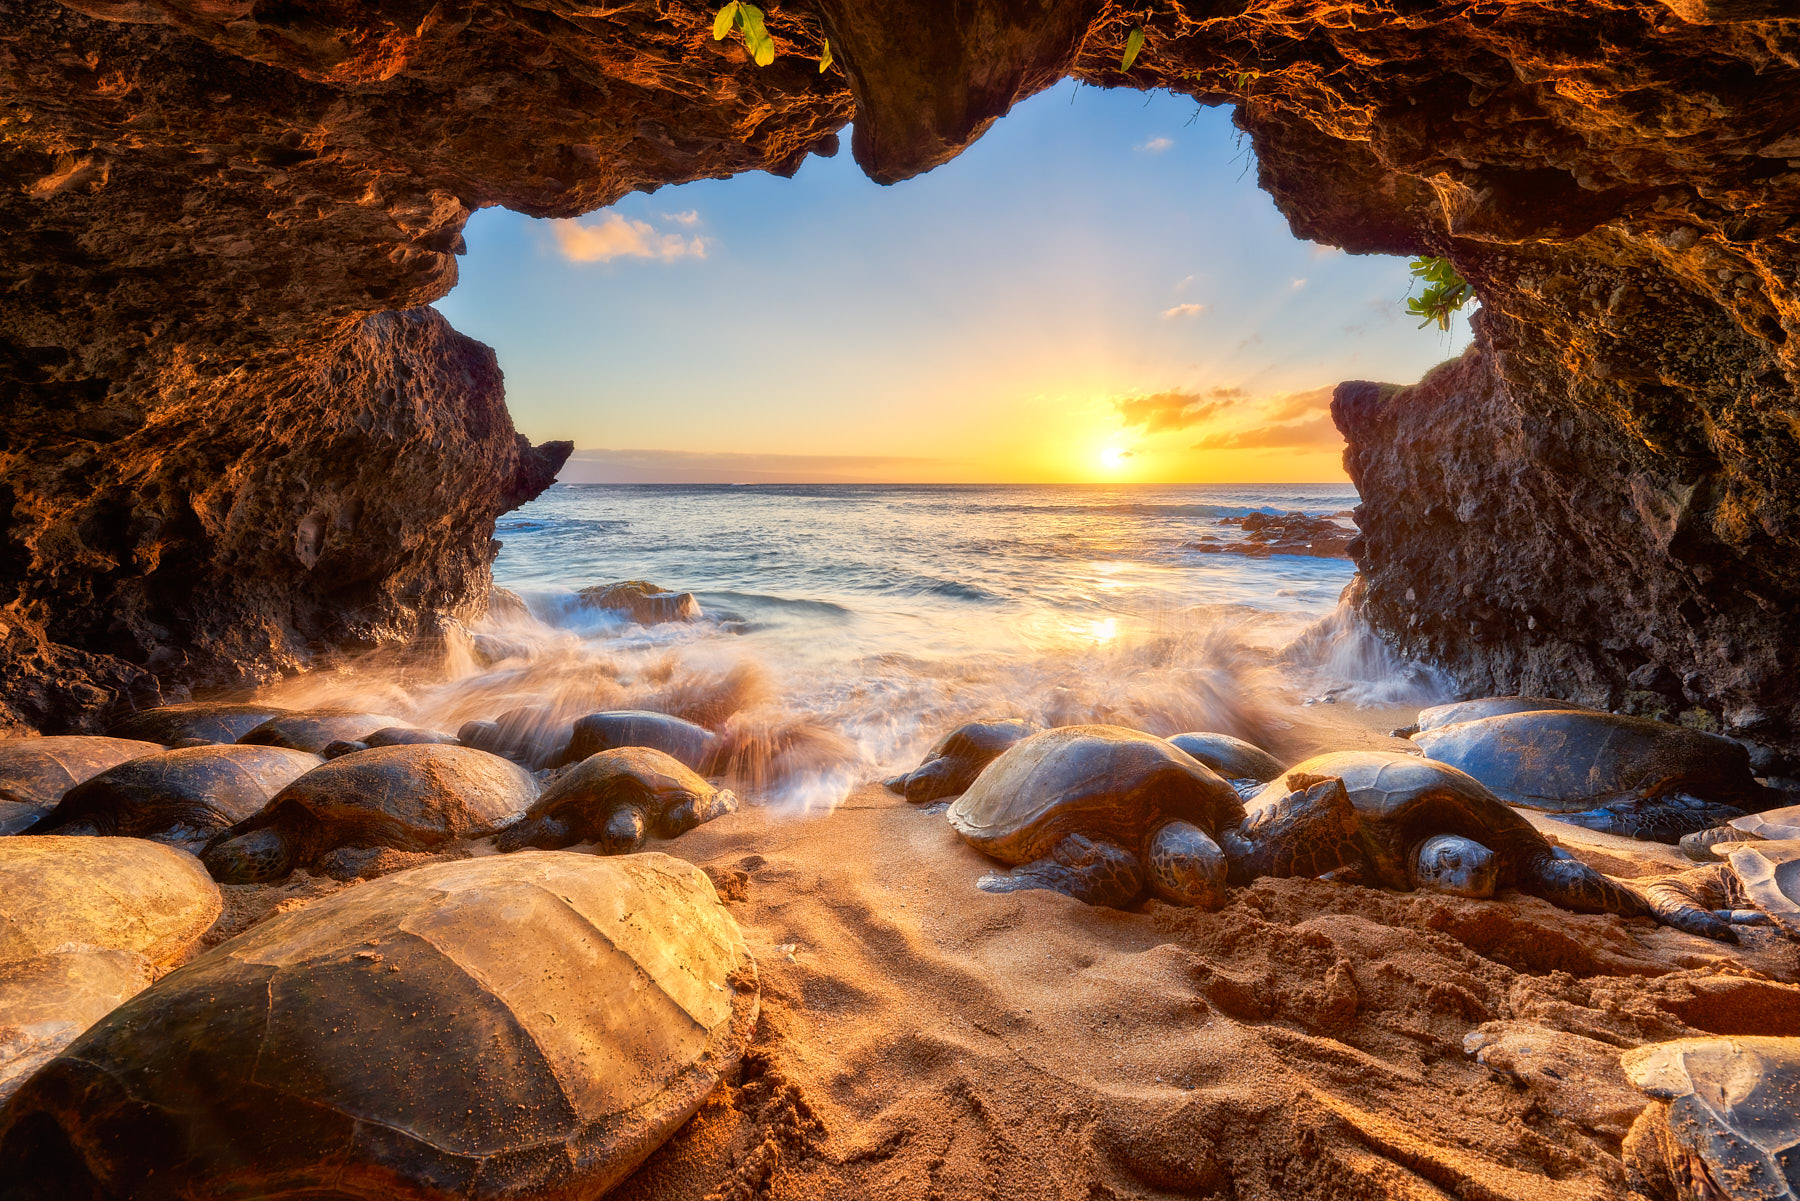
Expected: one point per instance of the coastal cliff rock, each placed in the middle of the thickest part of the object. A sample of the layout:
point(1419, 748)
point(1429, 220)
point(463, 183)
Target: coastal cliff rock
point(234, 442)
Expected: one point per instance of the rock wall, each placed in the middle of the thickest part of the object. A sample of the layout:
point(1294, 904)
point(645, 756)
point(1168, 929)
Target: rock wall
point(224, 215)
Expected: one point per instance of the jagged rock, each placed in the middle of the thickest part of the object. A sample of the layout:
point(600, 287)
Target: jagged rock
point(1268, 534)
point(644, 602)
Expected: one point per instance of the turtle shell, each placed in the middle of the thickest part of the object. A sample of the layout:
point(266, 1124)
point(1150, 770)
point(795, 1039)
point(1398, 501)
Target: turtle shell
point(1106, 783)
point(181, 797)
point(952, 764)
point(533, 735)
point(35, 772)
point(691, 744)
point(122, 894)
point(1231, 758)
point(1769, 873)
point(1403, 800)
point(315, 729)
point(46, 1002)
point(213, 721)
point(577, 804)
point(528, 1025)
point(1489, 706)
point(1570, 760)
point(1774, 824)
point(1733, 1110)
point(410, 798)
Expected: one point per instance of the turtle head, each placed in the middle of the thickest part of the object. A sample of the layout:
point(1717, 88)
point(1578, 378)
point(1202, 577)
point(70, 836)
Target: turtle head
point(1186, 866)
point(1459, 866)
point(250, 858)
point(624, 831)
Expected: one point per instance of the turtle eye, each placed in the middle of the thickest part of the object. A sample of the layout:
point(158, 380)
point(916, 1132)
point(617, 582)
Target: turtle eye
point(1452, 859)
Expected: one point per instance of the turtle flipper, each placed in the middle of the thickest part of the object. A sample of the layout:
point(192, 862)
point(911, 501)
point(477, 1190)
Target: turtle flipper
point(1667, 818)
point(1699, 847)
point(1687, 901)
point(1308, 832)
point(1186, 866)
point(1098, 873)
point(546, 832)
point(1572, 884)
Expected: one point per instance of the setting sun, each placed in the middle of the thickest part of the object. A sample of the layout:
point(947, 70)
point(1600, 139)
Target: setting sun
point(1113, 458)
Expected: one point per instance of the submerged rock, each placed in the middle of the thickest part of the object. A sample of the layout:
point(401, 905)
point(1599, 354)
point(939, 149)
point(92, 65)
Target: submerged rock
point(645, 603)
point(1288, 534)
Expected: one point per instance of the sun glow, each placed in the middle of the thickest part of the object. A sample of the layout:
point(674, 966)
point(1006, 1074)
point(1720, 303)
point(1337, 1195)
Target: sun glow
point(1114, 458)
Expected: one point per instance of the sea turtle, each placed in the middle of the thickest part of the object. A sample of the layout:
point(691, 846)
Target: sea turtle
point(1438, 716)
point(390, 736)
point(1634, 777)
point(954, 761)
point(1723, 1122)
point(35, 772)
point(121, 894)
point(534, 735)
point(48, 1000)
point(315, 729)
point(1421, 825)
point(694, 745)
point(613, 798)
point(409, 798)
point(646, 603)
point(1243, 765)
point(1758, 882)
point(180, 797)
point(519, 1026)
point(1100, 813)
point(1774, 825)
point(212, 721)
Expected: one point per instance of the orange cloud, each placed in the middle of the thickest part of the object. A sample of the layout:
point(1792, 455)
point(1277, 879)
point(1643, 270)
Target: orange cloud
point(617, 237)
point(1161, 411)
point(1319, 431)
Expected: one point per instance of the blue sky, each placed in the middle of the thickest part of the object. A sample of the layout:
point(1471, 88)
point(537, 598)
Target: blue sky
point(1096, 290)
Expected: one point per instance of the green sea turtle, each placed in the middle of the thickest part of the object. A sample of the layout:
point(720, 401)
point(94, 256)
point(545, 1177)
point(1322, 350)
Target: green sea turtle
point(1241, 764)
point(493, 1029)
point(1421, 824)
point(35, 772)
point(613, 798)
point(694, 745)
point(535, 735)
point(211, 721)
point(1759, 881)
point(407, 798)
point(48, 1000)
point(315, 729)
point(1771, 824)
point(1634, 778)
point(1723, 1123)
point(1100, 813)
point(180, 797)
point(954, 761)
point(119, 894)
point(390, 736)
point(1438, 716)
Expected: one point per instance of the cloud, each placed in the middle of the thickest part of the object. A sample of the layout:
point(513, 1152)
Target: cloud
point(1173, 410)
point(1295, 405)
point(691, 217)
point(705, 467)
point(1156, 145)
point(1315, 432)
point(618, 237)
point(1185, 310)
point(1321, 251)
point(1182, 283)
point(1299, 283)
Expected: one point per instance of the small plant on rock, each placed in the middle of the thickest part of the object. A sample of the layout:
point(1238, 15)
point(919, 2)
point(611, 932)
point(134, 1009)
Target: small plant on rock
point(1445, 291)
point(749, 22)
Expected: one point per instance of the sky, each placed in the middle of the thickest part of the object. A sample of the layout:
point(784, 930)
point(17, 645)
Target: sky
point(1096, 291)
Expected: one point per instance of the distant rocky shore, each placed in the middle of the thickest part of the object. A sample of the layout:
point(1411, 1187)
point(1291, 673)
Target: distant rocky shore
point(1266, 534)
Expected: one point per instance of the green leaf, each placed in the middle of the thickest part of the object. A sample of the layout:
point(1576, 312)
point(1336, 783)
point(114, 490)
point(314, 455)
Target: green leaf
point(825, 59)
point(726, 18)
point(756, 34)
point(1133, 44)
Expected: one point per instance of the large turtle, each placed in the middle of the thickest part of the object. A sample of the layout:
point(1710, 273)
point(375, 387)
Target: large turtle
point(613, 799)
point(315, 729)
point(1635, 778)
point(1420, 824)
point(181, 797)
point(1771, 824)
point(1243, 765)
point(1438, 716)
point(694, 745)
point(1758, 882)
point(119, 894)
point(408, 798)
point(35, 772)
point(1100, 813)
point(209, 721)
point(48, 1000)
point(1723, 1122)
point(954, 761)
point(535, 735)
point(390, 736)
point(510, 1027)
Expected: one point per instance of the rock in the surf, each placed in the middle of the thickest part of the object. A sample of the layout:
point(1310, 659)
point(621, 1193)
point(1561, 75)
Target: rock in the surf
point(616, 798)
point(182, 797)
point(404, 798)
point(1102, 814)
point(1723, 1120)
point(644, 602)
point(694, 745)
point(35, 772)
point(123, 894)
point(315, 729)
point(528, 1025)
point(211, 721)
point(954, 761)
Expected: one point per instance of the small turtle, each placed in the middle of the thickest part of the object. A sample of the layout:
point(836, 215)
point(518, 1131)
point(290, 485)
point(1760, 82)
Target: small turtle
point(613, 798)
point(390, 736)
point(694, 745)
point(509, 1027)
point(1758, 883)
point(35, 772)
point(118, 894)
point(535, 735)
point(1099, 813)
point(1421, 825)
point(1452, 714)
point(1635, 778)
point(1723, 1123)
point(180, 797)
point(952, 764)
point(408, 798)
point(315, 729)
point(1243, 765)
point(211, 721)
